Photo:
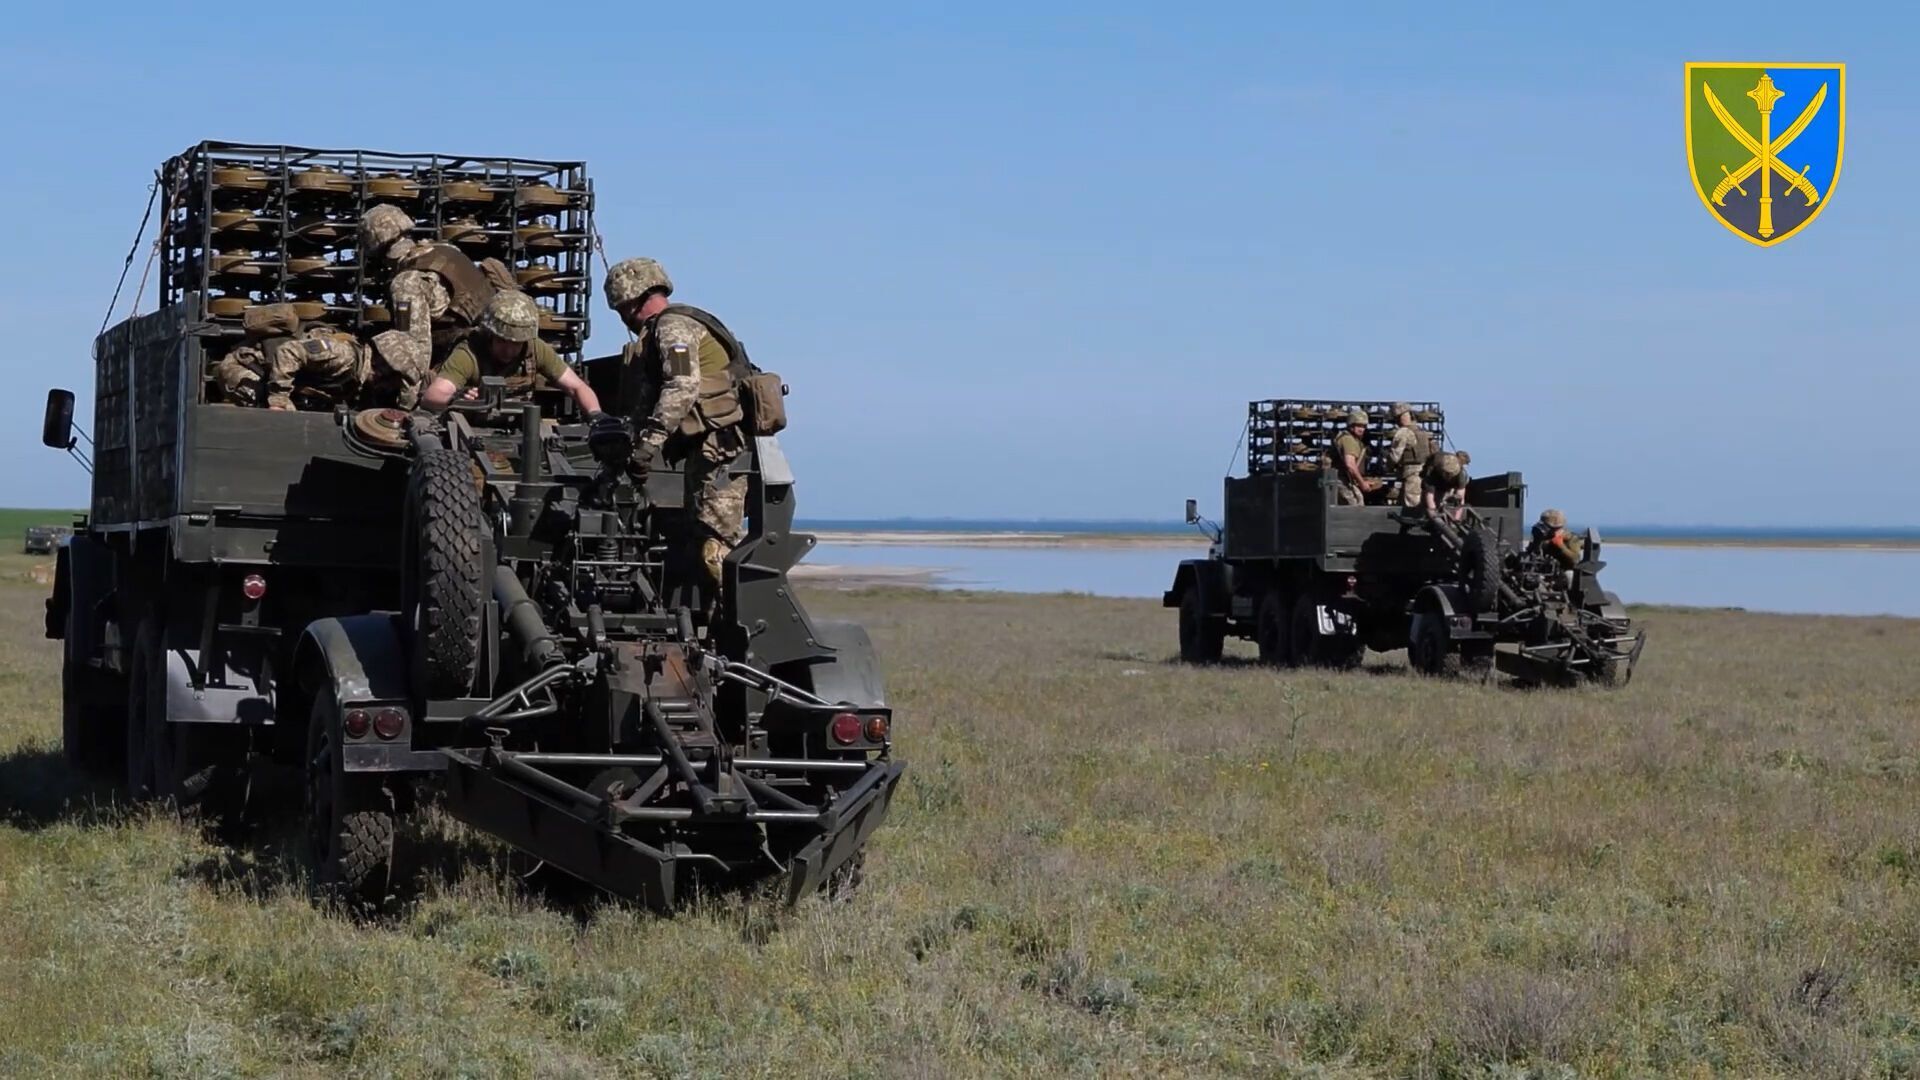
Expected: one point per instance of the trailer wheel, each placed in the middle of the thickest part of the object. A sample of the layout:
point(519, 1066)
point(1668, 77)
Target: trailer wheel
point(1271, 629)
point(443, 583)
point(350, 816)
point(1202, 640)
point(1480, 558)
point(1430, 647)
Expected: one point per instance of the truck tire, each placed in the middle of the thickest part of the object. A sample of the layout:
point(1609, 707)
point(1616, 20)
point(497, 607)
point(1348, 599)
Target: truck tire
point(166, 762)
point(350, 817)
point(1480, 568)
point(1271, 629)
point(91, 732)
point(1430, 647)
point(1202, 639)
point(444, 582)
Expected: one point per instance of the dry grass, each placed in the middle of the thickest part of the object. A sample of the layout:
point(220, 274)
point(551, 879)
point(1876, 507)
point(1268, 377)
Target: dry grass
point(1102, 863)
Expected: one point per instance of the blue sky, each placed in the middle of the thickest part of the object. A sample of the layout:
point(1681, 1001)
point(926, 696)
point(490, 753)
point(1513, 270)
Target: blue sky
point(1018, 261)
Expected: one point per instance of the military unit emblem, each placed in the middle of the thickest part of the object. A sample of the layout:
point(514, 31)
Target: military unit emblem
point(1764, 142)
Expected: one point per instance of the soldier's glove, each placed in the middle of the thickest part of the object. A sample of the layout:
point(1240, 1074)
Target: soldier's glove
point(641, 464)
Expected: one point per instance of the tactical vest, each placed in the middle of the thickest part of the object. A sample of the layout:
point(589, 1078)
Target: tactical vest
point(723, 365)
point(468, 290)
point(521, 378)
point(1418, 451)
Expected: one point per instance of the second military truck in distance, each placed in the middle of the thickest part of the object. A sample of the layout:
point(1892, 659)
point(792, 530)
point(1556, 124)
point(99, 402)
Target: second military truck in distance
point(481, 604)
point(1315, 583)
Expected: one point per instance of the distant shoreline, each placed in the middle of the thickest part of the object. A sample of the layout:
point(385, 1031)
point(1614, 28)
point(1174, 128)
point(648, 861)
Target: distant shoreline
point(1009, 538)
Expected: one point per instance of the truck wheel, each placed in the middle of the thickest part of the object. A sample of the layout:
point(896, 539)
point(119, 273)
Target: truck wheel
point(1480, 558)
point(1202, 640)
point(444, 579)
point(1271, 629)
point(91, 732)
point(350, 816)
point(1430, 647)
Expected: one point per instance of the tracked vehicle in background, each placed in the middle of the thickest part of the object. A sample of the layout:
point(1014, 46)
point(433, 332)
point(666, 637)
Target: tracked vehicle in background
point(1314, 583)
point(483, 609)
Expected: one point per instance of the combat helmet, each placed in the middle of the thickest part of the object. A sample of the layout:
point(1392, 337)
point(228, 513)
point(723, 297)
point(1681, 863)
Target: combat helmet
point(1357, 416)
point(1400, 409)
point(511, 316)
point(381, 225)
point(1553, 519)
point(631, 279)
point(1449, 466)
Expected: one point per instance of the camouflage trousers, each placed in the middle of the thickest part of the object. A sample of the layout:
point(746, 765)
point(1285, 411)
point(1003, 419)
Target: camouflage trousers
point(716, 498)
point(1347, 494)
point(240, 375)
point(1410, 488)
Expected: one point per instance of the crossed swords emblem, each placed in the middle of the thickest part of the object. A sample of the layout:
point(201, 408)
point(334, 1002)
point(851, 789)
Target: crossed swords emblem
point(1765, 150)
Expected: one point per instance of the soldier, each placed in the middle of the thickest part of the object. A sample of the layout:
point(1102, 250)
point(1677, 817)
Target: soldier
point(507, 343)
point(1550, 537)
point(1350, 461)
point(329, 365)
point(442, 291)
point(1443, 482)
point(679, 384)
point(242, 372)
point(1407, 454)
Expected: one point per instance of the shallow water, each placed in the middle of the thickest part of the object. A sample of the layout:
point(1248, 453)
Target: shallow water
point(1793, 580)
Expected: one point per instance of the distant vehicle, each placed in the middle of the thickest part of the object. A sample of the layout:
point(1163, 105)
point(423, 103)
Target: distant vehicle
point(43, 539)
point(1314, 583)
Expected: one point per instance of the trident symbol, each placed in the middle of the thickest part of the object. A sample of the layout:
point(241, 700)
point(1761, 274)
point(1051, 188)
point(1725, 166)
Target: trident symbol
point(1765, 150)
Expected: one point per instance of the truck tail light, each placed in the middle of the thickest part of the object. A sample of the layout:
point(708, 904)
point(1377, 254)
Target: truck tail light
point(356, 723)
point(254, 587)
point(389, 722)
point(876, 729)
point(846, 728)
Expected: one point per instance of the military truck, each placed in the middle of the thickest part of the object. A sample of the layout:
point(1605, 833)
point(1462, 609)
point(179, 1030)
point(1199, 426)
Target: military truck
point(1315, 583)
point(481, 608)
point(43, 539)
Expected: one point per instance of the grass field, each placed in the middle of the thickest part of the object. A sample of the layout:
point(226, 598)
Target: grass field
point(1101, 863)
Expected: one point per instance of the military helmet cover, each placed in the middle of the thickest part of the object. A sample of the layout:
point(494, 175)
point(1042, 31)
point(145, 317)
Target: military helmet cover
point(1449, 466)
point(631, 279)
point(1400, 409)
point(1553, 519)
point(1357, 416)
point(381, 225)
point(511, 316)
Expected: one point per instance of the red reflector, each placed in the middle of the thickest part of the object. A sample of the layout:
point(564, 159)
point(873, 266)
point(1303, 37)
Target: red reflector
point(388, 723)
point(254, 586)
point(846, 728)
point(876, 729)
point(356, 723)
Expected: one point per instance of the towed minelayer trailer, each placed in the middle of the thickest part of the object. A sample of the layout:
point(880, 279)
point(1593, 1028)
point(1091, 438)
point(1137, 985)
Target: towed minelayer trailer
point(481, 603)
point(1316, 583)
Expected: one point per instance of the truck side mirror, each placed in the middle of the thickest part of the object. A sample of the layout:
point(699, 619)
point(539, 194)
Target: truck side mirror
point(56, 430)
point(1193, 511)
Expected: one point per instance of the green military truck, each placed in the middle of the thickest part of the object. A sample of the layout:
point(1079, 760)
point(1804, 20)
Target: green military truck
point(1315, 583)
point(481, 604)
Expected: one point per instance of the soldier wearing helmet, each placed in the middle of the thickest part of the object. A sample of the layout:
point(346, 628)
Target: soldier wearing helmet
point(278, 359)
point(506, 343)
point(1349, 458)
point(1550, 537)
point(1443, 482)
point(441, 290)
point(1408, 452)
point(680, 386)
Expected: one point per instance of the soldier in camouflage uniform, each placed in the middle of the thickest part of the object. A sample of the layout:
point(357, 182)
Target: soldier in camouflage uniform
point(1444, 483)
point(443, 292)
point(508, 345)
point(330, 366)
point(679, 386)
point(1407, 454)
point(1550, 537)
point(1349, 460)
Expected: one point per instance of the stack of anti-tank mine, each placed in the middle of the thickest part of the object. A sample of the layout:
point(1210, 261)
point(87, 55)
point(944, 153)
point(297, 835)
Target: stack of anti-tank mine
point(253, 225)
point(1297, 436)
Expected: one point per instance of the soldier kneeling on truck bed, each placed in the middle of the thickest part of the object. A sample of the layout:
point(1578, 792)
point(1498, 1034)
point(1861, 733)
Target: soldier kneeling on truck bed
point(507, 343)
point(317, 368)
point(445, 291)
point(682, 384)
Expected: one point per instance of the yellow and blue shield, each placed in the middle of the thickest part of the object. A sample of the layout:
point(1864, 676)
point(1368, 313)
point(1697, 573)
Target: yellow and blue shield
point(1764, 143)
